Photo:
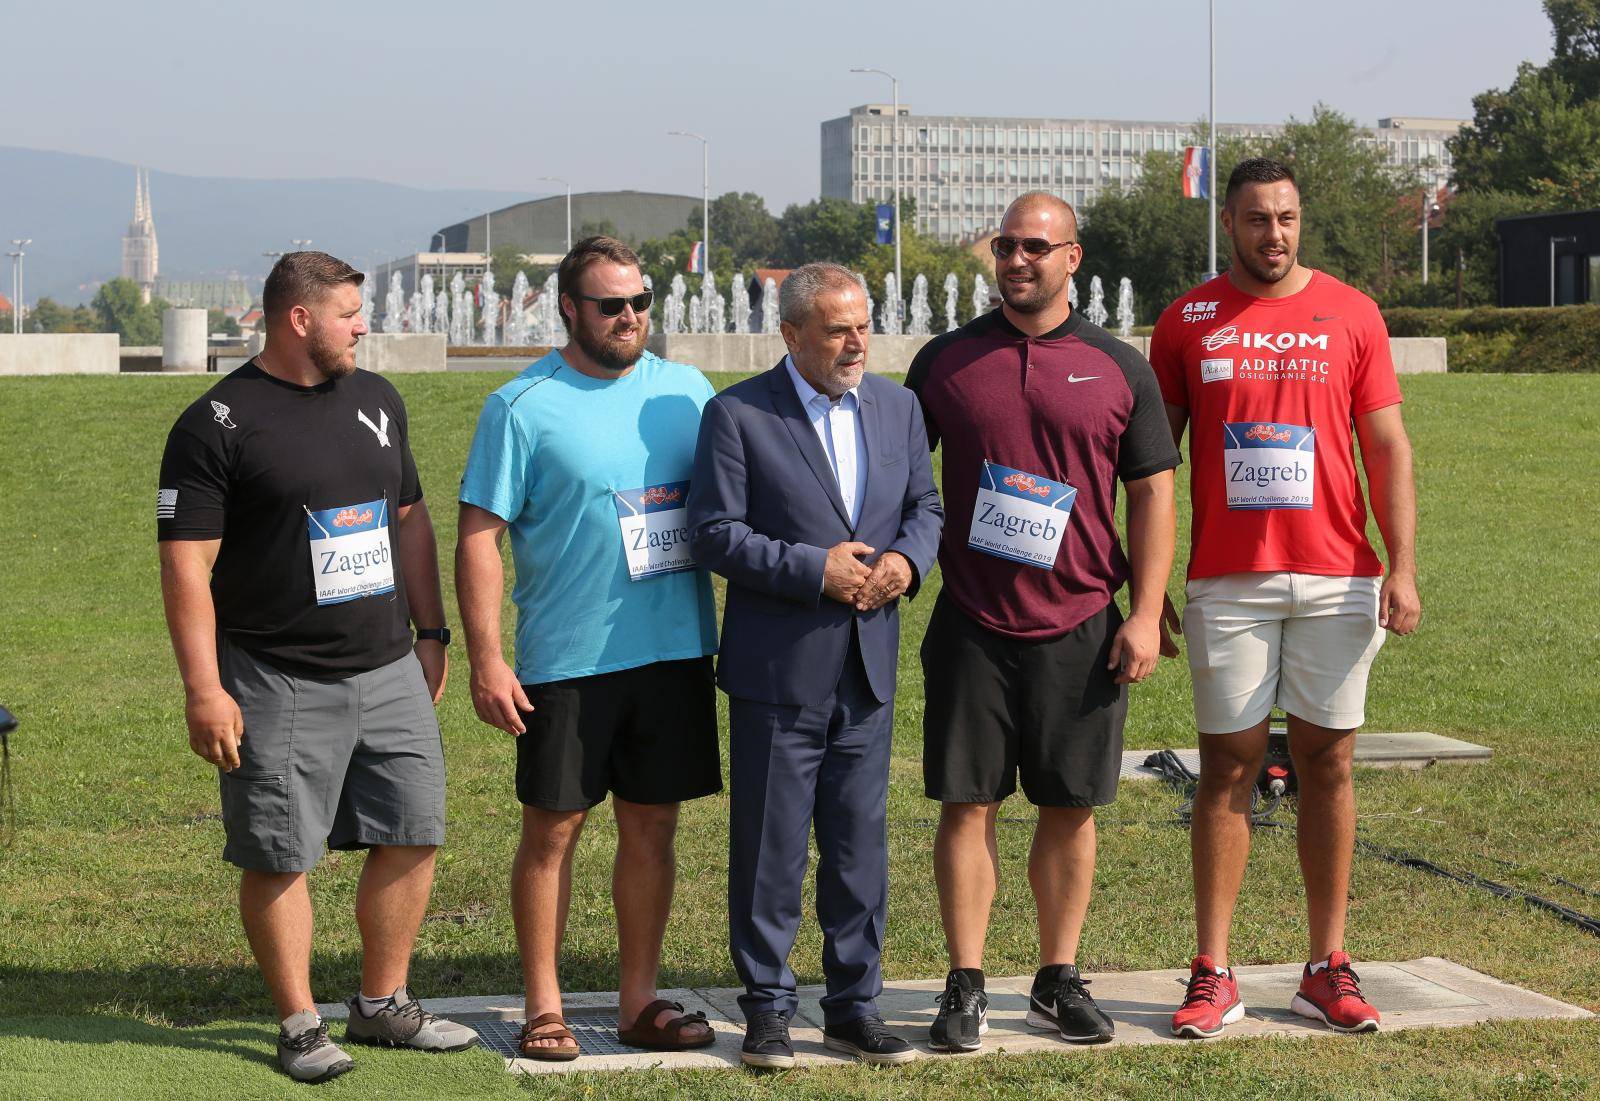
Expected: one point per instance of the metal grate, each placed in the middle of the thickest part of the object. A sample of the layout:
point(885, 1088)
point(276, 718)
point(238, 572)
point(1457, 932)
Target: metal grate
point(595, 1031)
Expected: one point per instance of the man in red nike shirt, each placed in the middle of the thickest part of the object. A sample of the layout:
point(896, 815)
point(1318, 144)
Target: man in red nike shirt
point(1275, 365)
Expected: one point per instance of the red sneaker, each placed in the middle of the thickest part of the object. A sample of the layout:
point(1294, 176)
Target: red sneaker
point(1211, 1004)
point(1333, 996)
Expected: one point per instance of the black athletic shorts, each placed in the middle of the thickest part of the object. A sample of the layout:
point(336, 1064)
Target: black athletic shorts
point(997, 706)
point(648, 734)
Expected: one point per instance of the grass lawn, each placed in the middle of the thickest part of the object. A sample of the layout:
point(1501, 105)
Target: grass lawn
point(123, 969)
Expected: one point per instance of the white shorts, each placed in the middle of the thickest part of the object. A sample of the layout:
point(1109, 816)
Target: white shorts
point(1301, 641)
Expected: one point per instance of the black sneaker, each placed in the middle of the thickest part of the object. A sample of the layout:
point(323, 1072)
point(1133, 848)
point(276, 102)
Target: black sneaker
point(868, 1039)
point(1064, 1005)
point(766, 1042)
point(963, 1016)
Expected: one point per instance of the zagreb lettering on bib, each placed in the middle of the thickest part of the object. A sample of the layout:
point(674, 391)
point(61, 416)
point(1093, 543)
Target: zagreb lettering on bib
point(1268, 465)
point(654, 521)
point(1020, 516)
point(350, 555)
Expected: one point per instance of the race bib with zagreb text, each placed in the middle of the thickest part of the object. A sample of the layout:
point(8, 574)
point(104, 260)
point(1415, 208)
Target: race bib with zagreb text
point(1268, 465)
point(350, 553)
point(654, 521)
point(1020, 516)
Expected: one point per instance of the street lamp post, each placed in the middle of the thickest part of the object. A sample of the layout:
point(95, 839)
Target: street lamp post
point(705, 193)
point(1554, 241)
point(1211, 160)
point(559, 180)
point(300, 242)
point(20, 244)
point(899, 281)
point(1428, 208)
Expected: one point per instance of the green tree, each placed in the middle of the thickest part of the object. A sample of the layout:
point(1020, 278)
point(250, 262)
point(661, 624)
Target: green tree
point(49, 316)
point(1153, 235)
point(1356, 227)
point(120, 309)
point(1575, 25)
point(741, 221)
point(668, 256)
point(1541, 136)
point(219, 322)
point(827, 229)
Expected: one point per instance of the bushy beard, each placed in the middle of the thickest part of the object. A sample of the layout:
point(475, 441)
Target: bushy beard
point(614, 353)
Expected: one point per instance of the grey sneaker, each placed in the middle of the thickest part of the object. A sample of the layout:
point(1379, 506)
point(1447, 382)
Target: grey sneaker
point(306, 1054)
point(404, 1023)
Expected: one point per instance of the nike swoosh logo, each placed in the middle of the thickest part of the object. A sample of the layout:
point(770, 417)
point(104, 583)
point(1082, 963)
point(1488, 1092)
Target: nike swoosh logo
point(1085, 378)
point(1330, 317)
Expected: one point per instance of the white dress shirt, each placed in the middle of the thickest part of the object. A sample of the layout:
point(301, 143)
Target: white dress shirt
point(837, 423)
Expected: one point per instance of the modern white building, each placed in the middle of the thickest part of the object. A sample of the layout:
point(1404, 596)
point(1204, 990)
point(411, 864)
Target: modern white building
point(141, 255)
point(964, 170)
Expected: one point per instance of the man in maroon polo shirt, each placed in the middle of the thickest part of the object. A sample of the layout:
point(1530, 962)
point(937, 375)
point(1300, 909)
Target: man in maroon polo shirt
point(1041, 414)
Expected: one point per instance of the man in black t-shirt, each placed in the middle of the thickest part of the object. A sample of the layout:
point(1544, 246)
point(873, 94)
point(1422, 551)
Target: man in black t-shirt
point(1042, 417)
point(295, 553)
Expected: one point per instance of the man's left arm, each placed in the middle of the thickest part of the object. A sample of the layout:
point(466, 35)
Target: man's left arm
point(1152, 531)
point(419, 565)
point(902, 566)
point(1386, 456)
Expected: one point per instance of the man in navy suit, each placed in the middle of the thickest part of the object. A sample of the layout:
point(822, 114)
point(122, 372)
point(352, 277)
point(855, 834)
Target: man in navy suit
point(813, 495)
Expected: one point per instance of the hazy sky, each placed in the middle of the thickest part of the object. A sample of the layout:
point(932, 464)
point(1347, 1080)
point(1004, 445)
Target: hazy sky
point(492, 95)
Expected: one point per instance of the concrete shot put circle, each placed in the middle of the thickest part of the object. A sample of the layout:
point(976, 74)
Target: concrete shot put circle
point(1421, 993)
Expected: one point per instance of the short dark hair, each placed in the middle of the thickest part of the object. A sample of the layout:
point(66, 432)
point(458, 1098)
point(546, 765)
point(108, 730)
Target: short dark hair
point(583, 253)
point(301, 277)
point(1256, 170)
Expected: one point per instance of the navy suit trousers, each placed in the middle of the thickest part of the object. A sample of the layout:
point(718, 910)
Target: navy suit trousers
point(825, 765)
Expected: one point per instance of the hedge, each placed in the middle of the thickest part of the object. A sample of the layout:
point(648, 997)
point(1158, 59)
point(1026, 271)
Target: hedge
point(1533, 341)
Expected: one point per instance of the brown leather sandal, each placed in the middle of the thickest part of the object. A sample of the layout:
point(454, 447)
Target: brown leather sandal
point(547, 1026)
point(670, 1036)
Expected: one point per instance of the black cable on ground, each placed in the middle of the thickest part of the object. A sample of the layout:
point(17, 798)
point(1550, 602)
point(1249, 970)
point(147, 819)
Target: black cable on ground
point(1180, 776)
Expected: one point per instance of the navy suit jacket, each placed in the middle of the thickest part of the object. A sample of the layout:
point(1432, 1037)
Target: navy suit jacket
point(764, 508)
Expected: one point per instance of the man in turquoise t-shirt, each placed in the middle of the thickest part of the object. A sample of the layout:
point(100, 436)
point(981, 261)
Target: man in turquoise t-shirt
point(585, 457)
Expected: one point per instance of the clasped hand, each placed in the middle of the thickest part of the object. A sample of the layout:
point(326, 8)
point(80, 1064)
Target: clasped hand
point(849, 580)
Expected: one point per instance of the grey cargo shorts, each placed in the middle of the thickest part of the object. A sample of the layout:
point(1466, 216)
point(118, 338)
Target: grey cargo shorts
point(351, 763)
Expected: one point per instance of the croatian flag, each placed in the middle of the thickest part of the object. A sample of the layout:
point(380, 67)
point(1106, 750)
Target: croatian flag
point(697, 258)
point(1196, 172)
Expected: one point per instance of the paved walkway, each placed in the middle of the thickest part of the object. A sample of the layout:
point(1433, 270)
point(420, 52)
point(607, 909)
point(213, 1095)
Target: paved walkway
point(1423, 993)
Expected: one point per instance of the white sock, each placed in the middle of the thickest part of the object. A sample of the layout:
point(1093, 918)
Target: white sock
point(284, 1024)
point(370, 1006)
point(1225, 972)
point(1318, 966)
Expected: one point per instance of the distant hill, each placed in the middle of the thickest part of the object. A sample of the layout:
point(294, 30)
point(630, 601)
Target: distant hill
point(76, 209)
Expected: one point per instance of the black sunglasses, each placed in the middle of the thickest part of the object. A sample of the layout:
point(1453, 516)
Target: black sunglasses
point(611, 307)
point(1032, 247)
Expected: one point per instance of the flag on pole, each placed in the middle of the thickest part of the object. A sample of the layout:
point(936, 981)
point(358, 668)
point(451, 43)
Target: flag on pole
point(697, 258)
point(885, 224)
point(1196, 172)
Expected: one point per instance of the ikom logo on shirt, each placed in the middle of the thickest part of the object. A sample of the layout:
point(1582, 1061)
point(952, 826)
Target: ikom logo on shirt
point(1272, 342)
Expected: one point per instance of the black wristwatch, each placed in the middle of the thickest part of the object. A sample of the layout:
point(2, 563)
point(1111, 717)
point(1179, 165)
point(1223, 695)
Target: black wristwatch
point(441, 635)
